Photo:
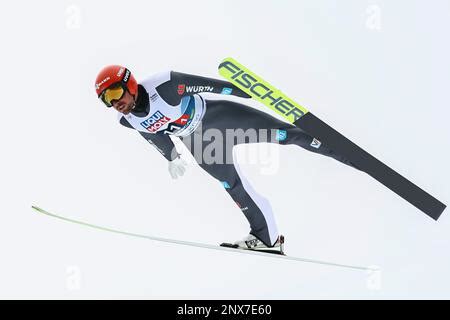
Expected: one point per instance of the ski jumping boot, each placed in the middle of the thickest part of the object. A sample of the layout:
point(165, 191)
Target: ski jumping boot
point(253, 243)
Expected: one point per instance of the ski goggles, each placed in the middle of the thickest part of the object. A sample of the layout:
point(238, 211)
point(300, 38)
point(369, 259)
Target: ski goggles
point(114, 92)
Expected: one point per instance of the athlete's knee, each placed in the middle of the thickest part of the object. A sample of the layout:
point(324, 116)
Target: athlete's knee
point(229, 180)
point(296, 136)
point(233, 186)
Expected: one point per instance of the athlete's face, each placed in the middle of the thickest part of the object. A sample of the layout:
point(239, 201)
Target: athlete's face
point(125, 104)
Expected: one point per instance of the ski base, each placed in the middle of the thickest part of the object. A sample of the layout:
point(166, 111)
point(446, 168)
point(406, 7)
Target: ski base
point(201, 245)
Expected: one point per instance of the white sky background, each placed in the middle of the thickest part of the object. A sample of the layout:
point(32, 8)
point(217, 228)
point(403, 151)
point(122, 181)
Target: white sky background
point(377, 71)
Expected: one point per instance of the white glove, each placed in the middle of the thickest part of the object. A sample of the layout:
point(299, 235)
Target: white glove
point(177, 167)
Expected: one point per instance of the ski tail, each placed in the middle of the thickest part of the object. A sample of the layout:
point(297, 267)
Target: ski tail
point(372, 166)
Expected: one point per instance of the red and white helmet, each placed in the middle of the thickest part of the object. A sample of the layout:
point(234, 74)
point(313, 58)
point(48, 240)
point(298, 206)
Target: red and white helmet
point(113, 74)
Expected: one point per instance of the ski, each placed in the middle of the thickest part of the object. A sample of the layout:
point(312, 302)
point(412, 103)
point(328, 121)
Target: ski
point(235, 246)
point(202, 245)
point(263, 92)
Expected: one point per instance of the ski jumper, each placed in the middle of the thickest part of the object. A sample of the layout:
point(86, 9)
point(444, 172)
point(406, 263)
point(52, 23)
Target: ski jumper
point(171, 104)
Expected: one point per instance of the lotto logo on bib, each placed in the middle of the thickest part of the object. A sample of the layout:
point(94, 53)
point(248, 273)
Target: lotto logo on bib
point(156, 121)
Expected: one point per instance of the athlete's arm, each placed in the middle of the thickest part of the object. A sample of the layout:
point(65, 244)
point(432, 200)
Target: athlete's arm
point(183, 84)
point(159, 140)
point(162, 143)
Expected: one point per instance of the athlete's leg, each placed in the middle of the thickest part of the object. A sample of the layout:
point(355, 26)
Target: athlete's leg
point(224, 168)
point(226, 115)
point(293, 135)
point(231, 115)
point(256, 209)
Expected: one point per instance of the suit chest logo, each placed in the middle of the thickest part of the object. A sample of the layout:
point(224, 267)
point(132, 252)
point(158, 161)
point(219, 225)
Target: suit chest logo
point(182, 88)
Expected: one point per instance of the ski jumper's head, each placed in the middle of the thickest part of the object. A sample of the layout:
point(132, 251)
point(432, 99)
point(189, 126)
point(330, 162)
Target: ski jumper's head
point(117, 88)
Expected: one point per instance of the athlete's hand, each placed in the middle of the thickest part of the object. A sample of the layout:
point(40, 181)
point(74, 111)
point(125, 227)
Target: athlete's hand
point(177, 167)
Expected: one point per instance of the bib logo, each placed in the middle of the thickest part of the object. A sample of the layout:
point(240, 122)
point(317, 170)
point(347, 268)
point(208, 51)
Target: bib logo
point(182, 88)
point(156, 121)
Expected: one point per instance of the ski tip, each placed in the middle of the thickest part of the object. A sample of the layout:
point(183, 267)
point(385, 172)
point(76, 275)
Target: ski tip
point(227, 59)
point(373, 268)
point(37, 209)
